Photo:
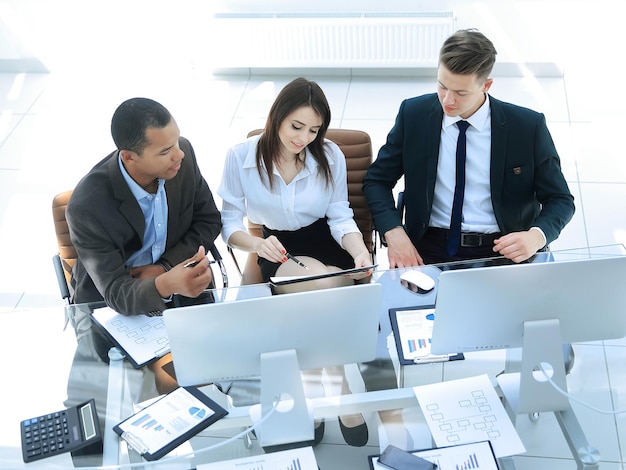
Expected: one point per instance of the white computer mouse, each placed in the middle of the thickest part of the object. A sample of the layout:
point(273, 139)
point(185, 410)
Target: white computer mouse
point(423, 282)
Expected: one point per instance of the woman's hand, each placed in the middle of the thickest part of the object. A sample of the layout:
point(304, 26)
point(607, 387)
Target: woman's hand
point(271, 249)
point(362, 260)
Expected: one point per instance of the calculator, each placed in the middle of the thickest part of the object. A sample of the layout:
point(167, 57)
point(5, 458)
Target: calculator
point(63, 431)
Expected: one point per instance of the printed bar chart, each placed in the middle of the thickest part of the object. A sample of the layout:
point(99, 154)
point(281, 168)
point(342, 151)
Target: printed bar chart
point(471, 462)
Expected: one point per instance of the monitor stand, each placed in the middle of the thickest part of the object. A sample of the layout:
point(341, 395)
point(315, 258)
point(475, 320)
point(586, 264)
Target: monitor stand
point(292, 421)
point(529, 392)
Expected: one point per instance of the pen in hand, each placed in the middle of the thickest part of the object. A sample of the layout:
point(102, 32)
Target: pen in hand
point(191, 264)
point(296, 260)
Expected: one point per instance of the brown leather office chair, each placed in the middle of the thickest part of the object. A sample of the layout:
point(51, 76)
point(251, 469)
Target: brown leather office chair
point(357, 147)
point(65, 259)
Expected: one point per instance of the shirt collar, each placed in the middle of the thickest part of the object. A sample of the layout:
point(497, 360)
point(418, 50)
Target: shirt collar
point(478, 120)
point(137, 190)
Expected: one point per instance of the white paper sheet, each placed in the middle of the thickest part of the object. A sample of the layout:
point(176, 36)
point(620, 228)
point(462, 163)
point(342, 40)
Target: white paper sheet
point(296, 459)
point(468, 410)
point(467, 456)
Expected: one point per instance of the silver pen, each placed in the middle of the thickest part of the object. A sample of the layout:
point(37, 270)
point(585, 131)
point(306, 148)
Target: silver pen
point(191, 264)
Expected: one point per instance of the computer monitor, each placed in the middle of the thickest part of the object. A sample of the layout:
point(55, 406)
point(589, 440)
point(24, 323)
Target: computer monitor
point(485, 308)
point(537, 307)
point(275, 337)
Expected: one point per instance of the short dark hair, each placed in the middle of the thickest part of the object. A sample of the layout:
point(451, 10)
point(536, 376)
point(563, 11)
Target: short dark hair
point(297, 93)
point(131, 120)
point(468, 52)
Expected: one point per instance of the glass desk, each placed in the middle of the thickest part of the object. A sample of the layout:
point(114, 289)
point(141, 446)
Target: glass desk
point(55, 368)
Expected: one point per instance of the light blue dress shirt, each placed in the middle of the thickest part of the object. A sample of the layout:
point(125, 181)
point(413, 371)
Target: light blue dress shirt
point(154, 208)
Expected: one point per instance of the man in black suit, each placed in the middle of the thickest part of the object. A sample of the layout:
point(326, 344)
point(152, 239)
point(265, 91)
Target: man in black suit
point(140, 215)
point(516, 200)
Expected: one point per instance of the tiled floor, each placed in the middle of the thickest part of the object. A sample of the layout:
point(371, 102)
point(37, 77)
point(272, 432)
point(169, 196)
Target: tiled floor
point(54, 127)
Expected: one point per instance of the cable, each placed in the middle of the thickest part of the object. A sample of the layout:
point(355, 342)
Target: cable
point(570, 397)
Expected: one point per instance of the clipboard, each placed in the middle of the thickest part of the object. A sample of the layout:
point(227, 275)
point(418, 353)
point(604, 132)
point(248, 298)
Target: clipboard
point(142, 339)
point(281, 281)
point(171, 420)
point(413, 331)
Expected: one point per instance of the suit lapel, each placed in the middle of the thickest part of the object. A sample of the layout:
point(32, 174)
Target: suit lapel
point(128, 204)
point(435, 119)
point(499, 135)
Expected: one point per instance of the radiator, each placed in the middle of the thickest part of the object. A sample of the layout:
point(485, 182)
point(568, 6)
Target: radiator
point(372, 40)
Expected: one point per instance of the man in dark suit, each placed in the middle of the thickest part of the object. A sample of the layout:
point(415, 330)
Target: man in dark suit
point(516, 200)
point(140, 215)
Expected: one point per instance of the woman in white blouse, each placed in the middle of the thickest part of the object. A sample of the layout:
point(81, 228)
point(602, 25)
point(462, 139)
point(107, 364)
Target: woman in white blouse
point(292, 181)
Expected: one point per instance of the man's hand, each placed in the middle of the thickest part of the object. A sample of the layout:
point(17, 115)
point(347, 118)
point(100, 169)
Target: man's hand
point(189, 281)
point(519, 246)
point(400, 250)
point(148, 271)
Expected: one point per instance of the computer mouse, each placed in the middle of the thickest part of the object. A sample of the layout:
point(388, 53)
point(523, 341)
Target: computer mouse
point(417, 281)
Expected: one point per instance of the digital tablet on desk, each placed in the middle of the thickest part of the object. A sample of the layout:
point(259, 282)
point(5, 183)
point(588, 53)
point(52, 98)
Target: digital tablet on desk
point(282, 280)
point(413, 331)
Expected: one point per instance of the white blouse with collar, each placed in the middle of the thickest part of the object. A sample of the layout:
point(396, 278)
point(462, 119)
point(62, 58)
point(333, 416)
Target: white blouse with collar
point(288, 206)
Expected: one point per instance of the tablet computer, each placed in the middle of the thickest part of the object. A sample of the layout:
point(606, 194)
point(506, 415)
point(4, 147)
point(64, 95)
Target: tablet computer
point(413, 332)
point(171, 420)
point(282, 280)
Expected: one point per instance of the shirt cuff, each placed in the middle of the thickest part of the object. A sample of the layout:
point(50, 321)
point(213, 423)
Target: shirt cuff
point(545, 240)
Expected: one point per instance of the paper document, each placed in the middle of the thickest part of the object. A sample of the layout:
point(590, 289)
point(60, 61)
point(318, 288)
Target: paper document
point(280, 280)
point(296, 459)
point(141, 338)
point(478, 455)
point(468, 410)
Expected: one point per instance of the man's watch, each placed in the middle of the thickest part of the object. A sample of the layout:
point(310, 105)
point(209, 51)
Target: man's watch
point(164, 264)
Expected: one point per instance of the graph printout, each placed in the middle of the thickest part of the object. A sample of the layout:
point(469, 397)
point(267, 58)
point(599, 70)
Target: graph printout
point(476, 456)
point(295, 459)
point(174, 415)
point(468, 410)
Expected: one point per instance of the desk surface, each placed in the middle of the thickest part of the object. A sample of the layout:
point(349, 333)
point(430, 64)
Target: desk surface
point(56, 368)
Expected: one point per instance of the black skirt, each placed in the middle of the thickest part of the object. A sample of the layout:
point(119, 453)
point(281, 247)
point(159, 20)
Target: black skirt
point(313, 240)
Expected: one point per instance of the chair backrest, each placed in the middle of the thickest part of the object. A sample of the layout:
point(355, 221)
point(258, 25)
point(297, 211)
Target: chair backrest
point(357, 147)
point(67, 252)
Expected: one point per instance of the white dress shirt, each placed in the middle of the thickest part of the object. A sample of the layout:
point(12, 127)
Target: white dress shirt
point(478, 215)
point(288, 206)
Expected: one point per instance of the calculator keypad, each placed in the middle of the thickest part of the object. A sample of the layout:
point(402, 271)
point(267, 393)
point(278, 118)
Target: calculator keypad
point(63, 431)
point(46, 435)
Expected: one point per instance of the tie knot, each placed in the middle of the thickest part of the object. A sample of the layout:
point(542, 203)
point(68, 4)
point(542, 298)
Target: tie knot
point(462, 125)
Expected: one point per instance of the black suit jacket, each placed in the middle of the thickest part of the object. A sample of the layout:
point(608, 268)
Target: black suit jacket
point(107, 226)
point(528, 188)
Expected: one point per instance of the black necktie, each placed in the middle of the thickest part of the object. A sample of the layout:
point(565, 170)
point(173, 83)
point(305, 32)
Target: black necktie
point(454, 240)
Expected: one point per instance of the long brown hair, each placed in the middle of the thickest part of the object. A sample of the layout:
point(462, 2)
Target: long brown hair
point(297, 93)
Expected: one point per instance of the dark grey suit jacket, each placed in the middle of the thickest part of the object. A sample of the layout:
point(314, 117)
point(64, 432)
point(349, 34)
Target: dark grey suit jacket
point(528, 188)
point(107, 226)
